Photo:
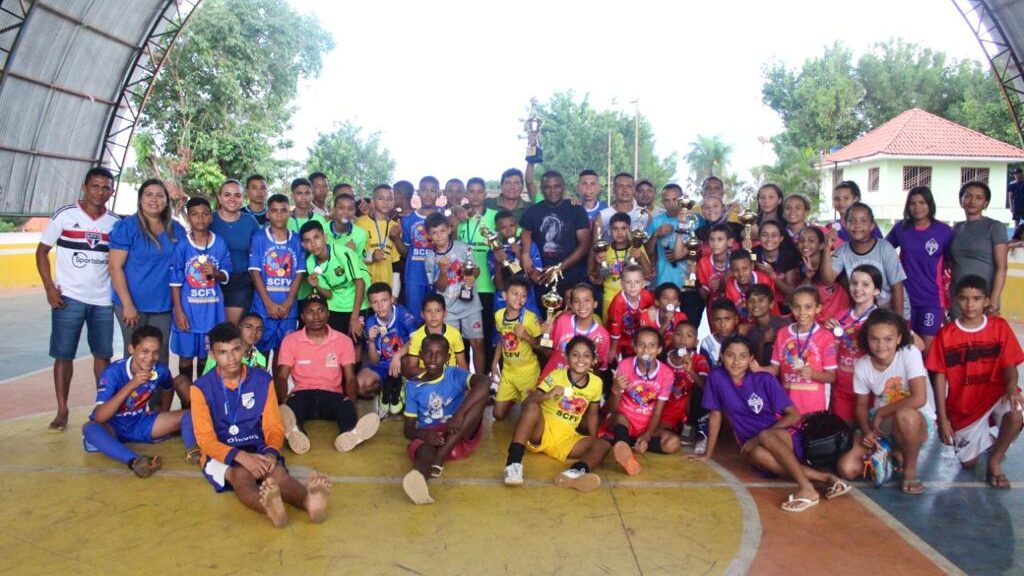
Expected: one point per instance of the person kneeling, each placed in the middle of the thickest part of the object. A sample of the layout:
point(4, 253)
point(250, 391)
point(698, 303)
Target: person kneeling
point(238, 426)
point(753, 402)
point(551, 415)
point(321, 363)
point(444, 408)
point(122, 405)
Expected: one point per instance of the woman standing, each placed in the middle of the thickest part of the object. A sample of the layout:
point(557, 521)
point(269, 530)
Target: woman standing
point(769, 203)
point(236, 228)
point(923, 243)
point(979, 244)
point(141, 247)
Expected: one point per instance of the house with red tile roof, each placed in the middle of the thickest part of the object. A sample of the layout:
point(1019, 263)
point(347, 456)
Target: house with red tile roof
point(918, 148)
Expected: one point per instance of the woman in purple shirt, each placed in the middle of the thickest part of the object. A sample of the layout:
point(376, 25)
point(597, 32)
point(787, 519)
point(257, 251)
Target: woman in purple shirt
point(923, 243)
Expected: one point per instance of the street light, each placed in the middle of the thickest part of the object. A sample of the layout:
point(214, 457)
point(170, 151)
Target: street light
point(636, 138)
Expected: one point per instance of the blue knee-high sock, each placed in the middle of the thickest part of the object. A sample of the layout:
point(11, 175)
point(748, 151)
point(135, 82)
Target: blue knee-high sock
point(188, 434)
point(101, 439)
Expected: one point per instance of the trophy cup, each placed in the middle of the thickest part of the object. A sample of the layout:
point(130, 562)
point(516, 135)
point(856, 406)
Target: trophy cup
point(551, 301)
point(600, 247)
point(532, 125)
point(495, 243)
point(638, 235)
point(747, 218)
point(469, 270)
point(692, 255)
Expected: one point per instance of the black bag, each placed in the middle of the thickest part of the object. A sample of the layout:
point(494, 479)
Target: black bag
point(826, 437)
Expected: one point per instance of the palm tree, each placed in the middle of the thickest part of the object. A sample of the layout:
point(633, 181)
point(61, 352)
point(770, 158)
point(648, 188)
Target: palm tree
point(708, 156)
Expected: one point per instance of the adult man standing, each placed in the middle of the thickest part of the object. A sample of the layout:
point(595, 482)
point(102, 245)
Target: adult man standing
point(256, 194)
point(81, 293)
point(318, 182)
point(511, 197)
point(644, 195)
point(588, 189)
point(1016, 192)
point(624, 202)
point(561, 232)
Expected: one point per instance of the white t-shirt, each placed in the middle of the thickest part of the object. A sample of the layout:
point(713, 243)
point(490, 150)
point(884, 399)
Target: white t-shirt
point(82, 252)
point(893, 383)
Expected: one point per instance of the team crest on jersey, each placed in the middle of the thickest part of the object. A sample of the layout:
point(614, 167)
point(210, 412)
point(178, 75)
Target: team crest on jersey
point(248, 400)
point(510, 342)
point(756, 403)
point(931, 246)
point(278, 263)
point(574, 404)
point(92, 238)
point(419, 237)
point(388, 344)
point(631, 321)
point(195, 277)
point(643, 395)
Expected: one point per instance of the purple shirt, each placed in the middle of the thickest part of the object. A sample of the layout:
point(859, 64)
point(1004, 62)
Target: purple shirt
point(922, 253)
point(751, 407)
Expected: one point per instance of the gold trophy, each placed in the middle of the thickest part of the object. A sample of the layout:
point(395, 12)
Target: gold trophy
point(639, 235)
point(469, 270)
point(600, 247)
point(494, 243)
point(692, 255)
point(532, 125)
point(747, 218)
point(551, 301)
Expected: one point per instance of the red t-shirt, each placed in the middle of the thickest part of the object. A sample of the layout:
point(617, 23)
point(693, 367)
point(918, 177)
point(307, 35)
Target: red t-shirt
point(835, 301)
point(317, 366)
point(624, 319)
point(706, 271)
point(736, 293)
point(973, 361)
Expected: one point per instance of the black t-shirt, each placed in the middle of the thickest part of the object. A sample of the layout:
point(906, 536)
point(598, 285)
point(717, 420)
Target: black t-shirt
point(553, 229)
point(788, 258)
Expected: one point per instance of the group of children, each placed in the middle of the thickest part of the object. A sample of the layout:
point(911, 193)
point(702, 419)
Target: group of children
point(635, 379)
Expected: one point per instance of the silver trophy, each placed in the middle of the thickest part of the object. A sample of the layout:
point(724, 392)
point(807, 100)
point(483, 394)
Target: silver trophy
point(532, 125)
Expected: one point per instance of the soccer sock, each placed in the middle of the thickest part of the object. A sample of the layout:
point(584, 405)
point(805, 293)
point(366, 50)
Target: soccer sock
point(188, 433)
point(655, 445)
point(97, 436)
point(515, 453)
point(581, 465)
point(621, 432)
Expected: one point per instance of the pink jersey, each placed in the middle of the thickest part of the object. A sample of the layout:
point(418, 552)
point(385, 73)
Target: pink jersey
point(847, 351)
point(564, 330)
point(815, 348)
point(645, 389)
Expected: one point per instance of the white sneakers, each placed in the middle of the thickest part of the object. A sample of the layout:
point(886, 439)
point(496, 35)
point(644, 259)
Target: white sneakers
point(578, 480)
point(514, 474)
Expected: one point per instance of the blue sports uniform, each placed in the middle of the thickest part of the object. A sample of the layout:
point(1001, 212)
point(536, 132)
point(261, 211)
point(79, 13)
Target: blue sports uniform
point(414, 235)
point(395, 334)
point(201, 297)
point(133, 421)
point(278, 264)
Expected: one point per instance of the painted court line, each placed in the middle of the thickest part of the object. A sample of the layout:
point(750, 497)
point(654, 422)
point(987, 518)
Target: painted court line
point(750, 537)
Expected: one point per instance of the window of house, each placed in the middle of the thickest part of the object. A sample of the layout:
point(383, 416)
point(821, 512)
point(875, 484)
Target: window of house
point(873, 179)
point(916, 176)
point(837, 176)
point(973, 174)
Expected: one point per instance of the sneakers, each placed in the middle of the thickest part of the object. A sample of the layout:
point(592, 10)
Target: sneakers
point(392, 396)
point(701, 447)
point(514, 474)
point(881, 463)
point(415, 487)
point(577, 479)
point(624, 456)
point(297, 439)
point(688, 436)
point(399, 400)
point(365, 429)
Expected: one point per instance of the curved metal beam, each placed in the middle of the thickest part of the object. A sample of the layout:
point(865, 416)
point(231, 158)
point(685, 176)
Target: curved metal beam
point(19, 11)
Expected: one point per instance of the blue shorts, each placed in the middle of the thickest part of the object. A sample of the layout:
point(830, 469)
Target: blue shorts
point(380, 369)
point(66, 329)
point(926, 320)
point(136, 429)
point(188, 344)
point(238, 291)
point(274, 331)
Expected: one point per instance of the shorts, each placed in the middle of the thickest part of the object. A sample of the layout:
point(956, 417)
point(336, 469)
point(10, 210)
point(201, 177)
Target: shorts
point(557, 441)
point(926, 320)
point(238, 291)
point(66, 329)
point(516, 385)
point(470, 326)
point(972, 441)
point(673, 415)
point(886, 427)
point(459, 451)
point(797, 438)
point(188, 344)
point(637, 425)
point(216, 472)
point(844, 401)
point(136, 429)
point(274, 331)
point(380, 369)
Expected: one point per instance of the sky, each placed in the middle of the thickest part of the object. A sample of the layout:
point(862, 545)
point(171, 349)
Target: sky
point(446, 83)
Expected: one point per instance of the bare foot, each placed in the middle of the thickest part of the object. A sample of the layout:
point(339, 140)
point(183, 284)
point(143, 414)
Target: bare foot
point(60, 422)
point(318, 490)
point(270, 498)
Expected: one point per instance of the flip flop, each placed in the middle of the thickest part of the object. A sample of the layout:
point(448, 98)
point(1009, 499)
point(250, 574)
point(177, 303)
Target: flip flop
point(914, 487)
point(998, 481)
point(794, 504)
point(193, 456)
point(297, 441)
point(837, 489)
point(365, 429)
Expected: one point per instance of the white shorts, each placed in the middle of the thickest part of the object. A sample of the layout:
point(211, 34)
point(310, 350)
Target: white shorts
point(974, 440)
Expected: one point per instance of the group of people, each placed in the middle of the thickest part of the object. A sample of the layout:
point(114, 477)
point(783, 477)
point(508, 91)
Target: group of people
point(442, 302)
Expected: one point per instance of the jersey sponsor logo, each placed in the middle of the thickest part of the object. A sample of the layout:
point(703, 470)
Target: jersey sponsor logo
point(81, 260)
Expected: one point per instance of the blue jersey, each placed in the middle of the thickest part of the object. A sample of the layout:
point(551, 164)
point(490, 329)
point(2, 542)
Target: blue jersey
point(395, 332)
point(414, 235)
point(147, 266)
point(436, 401)
point(595, 211)
point(531, 298)
point(237, 415)
point(674, 273)
point(201, 297)
point(278, 264)
point(238, 236)
point(137, 403)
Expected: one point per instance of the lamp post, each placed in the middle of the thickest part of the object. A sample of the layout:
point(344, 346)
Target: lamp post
point(636, 138)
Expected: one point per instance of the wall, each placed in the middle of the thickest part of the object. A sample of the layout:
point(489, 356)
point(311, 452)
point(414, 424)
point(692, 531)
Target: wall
point(18, 260)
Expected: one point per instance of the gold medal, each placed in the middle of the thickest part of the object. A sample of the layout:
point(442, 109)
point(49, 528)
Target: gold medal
point(202, 259)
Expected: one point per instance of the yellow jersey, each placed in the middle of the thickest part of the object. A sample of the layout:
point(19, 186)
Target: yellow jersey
point(569, 409)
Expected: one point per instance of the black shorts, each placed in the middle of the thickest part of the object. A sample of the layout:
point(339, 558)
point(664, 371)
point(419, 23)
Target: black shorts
point(238, 291)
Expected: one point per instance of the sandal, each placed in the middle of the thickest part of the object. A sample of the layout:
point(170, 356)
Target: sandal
point(436, 470)
point(794, 504)
point(837, 489)
point(145, 466)
point(193, 456)
point(914, 486)
point(999, 481)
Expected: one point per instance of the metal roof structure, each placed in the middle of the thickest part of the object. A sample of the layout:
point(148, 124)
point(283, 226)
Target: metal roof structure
point(75, 76)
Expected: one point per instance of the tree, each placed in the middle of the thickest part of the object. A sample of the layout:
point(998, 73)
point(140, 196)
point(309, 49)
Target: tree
point(345, 156)
point(708, 156)
point(575, 138)
point(224, 97)
point(794, 170)
point(898, 76)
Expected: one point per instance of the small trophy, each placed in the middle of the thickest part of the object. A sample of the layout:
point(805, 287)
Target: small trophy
point(693, 254)
point(747, 218)
point(600, 247)
point(495, 243)
point(532, 125)
point(469, 270)
point(638, 235)
point(551, 301)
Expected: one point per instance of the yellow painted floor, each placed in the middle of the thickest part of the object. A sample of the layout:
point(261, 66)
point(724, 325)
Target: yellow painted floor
point(65, 511)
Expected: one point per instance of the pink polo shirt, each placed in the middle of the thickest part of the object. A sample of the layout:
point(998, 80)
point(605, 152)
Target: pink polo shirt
point(317, 366)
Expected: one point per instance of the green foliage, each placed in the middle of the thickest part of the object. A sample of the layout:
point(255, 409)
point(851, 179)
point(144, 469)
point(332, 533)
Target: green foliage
point(708, 156)
point(794, 171)
point(575, 138)
point(345, 156)
point(12, 224)
point(223, 99)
